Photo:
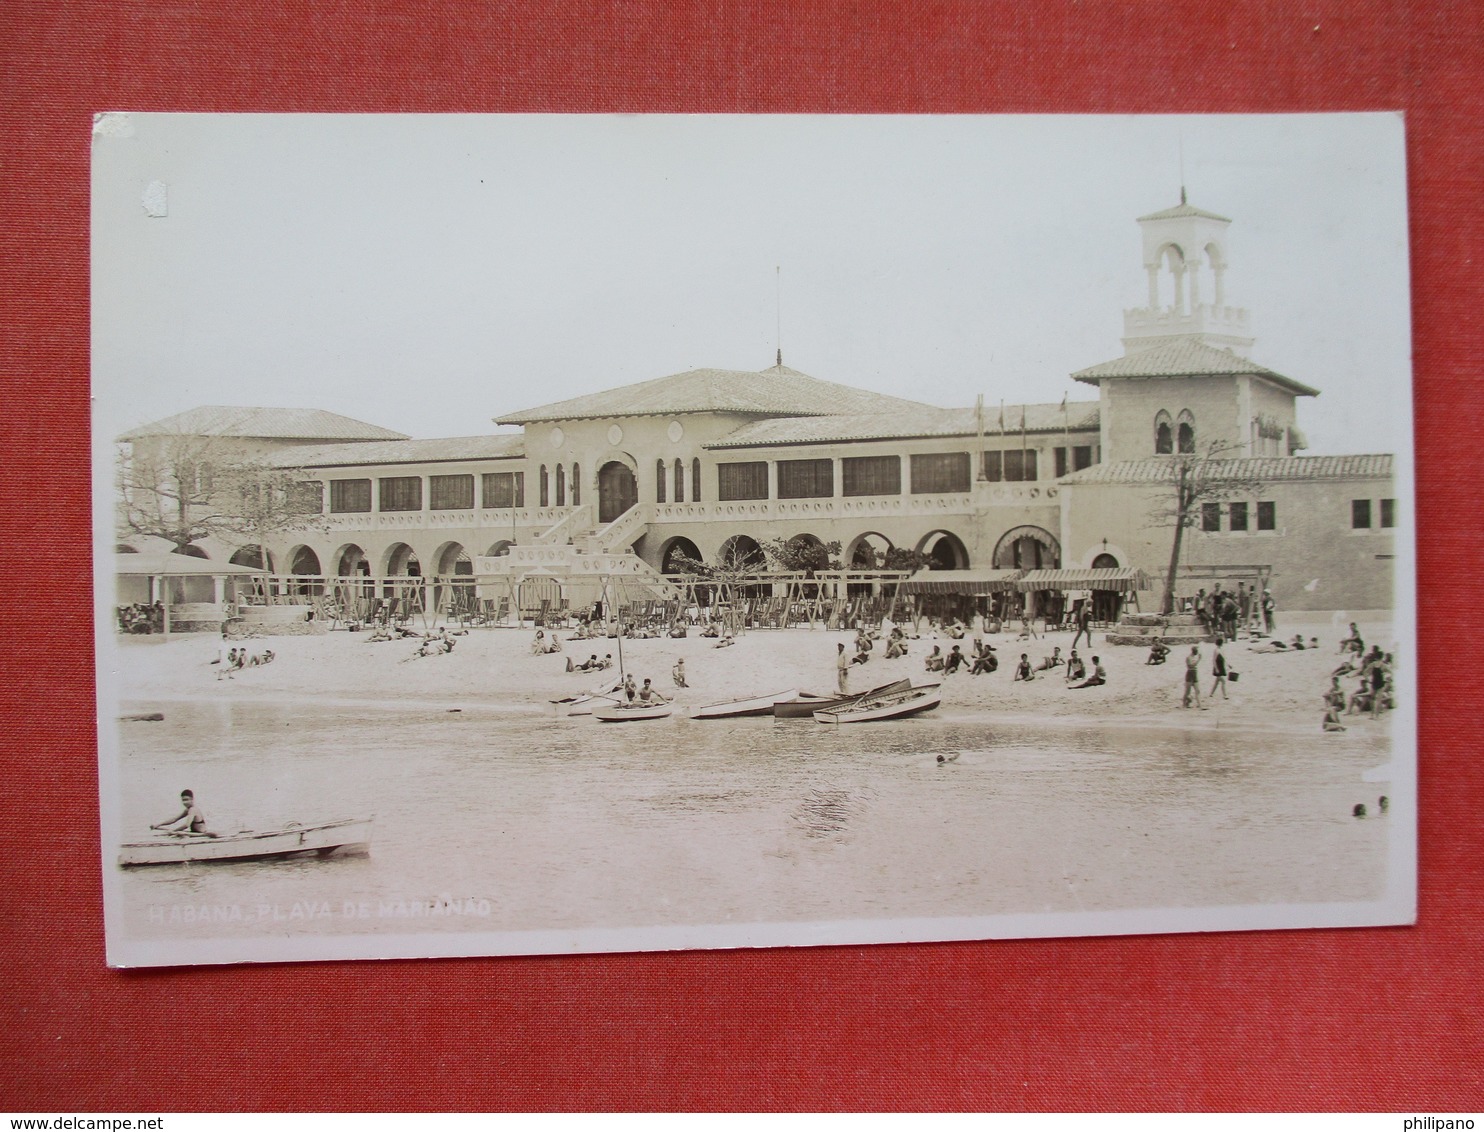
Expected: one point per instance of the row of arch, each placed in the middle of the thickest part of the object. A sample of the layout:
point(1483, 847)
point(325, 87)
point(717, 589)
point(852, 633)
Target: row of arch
point(1021, 548)
point(1174, 434)
point(676, 475)
point(670, 481)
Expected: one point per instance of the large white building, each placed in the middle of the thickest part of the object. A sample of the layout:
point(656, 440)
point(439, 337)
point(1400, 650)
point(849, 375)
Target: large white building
point(712, 463)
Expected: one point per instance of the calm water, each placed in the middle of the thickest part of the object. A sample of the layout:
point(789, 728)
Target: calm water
point(528, 821)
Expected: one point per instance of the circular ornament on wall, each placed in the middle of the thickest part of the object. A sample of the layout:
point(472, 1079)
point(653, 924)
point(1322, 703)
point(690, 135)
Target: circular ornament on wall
point(557, 436)
point(675, 432)
point(615, 434)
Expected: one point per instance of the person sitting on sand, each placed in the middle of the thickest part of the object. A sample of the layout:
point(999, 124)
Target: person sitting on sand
point(1051, 662)
point(1027, 628)
point(957, 630)
point(935, 659)
point(1097, 678)
point(1076, 670)
point(1353, 643)
point(538, 646)
point(189, 820)
point(1158, 652)
point(1332, 720)
point(1335, 697)
point(678, 629)
point(711, 630)
point(896, 644)
point(678, 674)
point(1297, 644)
point(1023, 669)
point(984, 659)
point(956, 660)
point(607, 661)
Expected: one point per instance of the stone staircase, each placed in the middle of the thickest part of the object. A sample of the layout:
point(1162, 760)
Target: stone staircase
point(1173, 629)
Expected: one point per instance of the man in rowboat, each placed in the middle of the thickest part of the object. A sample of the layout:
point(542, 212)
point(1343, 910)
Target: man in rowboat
point(189, 820)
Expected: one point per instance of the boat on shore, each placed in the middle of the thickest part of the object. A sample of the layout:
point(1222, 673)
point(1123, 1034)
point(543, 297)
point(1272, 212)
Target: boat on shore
point(895, 705)
point(805, 704)
point(749, 705)
point(347, 835)
point(625, 713)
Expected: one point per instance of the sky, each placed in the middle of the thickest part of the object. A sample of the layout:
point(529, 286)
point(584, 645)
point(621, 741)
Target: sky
point(429, 273)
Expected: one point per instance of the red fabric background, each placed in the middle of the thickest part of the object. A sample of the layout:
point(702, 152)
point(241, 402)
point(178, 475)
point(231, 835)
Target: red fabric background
point(1387, 1019)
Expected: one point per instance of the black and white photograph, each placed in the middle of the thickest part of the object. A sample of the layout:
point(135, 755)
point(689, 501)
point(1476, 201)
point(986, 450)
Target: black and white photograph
point(546, 534)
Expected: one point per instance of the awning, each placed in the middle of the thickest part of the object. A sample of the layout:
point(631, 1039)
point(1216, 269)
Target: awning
point(971, 583)
point(1124, 578)
point(175, 566)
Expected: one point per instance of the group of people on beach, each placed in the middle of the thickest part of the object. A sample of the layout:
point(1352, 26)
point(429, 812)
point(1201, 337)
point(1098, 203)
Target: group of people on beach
point(1373, 691)
point(231, 659)
point(139, 617)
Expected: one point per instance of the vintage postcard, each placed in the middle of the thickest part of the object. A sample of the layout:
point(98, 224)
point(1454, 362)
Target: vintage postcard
point(547, 534)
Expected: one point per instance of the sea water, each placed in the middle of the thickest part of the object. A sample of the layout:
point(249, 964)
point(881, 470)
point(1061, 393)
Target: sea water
point(521, 820)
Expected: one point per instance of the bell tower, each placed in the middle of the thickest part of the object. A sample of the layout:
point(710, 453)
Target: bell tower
point(1185, 259)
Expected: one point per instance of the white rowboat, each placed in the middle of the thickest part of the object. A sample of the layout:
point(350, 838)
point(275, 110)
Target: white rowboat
point(324, 838)
point(898, 705)
point(624, 713)
point(752, 705)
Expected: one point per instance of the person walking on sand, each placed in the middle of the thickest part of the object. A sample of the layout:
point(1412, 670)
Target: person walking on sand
point(1192, 677)
point(842, 668)
point(1084, 622)
point(1218, 670)
point(678, 673)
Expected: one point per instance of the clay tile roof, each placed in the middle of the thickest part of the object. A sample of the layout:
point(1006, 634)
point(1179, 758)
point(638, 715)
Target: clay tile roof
point(1182, 210)
point(924, 421)
point(259, 423)
point(502, 447)
point(1262, 468)
point(774, 392)
point(1187, 358)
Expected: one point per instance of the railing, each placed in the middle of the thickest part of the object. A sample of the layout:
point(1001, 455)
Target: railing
point(624, 530)
point(483, 518)
point(574, 522)
point(846, 507)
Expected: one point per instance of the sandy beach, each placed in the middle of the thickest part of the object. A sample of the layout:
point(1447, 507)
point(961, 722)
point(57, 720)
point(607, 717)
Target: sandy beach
point(493, 668)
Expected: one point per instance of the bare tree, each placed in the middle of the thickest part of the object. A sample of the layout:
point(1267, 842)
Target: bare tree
point(1195, 481)
point(184, 489)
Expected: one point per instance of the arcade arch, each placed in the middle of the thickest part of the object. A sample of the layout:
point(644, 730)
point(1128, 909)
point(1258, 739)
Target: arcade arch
point(672, 550)
point(1027, 548)
point(944, 550)
point(618, 490)
point(868, 551)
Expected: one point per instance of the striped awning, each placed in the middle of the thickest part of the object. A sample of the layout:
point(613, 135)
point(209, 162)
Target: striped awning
point(1123, 578)
point(971, 583)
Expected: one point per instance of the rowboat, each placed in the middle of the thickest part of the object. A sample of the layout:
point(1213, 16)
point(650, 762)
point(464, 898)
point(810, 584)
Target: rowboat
point(624, 713)
point(586, 705)
point(807, 703)
point(751, 705)
point(323, 838)
point(897, 705)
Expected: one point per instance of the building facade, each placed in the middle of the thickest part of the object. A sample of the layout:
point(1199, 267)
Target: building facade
point(711, 464)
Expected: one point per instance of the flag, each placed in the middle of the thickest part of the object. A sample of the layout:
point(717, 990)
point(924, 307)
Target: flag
point(1064, 402)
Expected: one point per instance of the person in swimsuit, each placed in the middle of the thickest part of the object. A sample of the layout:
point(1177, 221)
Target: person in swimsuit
point(189, 820)
point(1192, 677)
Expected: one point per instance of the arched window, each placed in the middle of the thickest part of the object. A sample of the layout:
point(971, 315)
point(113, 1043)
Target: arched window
point(576, 485)
point(695, 480)
point(679, 482)
point(1185, 433)
point(545, 495)
point(1164, 435)
point(659, 481)
point(561, 485)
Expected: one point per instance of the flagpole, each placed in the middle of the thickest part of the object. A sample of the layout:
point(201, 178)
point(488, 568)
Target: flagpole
point(979, 420)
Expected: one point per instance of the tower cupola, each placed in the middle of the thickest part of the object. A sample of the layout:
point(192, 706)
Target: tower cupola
point(1185, 259)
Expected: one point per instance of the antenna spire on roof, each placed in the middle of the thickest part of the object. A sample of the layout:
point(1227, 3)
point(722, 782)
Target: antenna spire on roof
point(1182, 194)
point(778, 283)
